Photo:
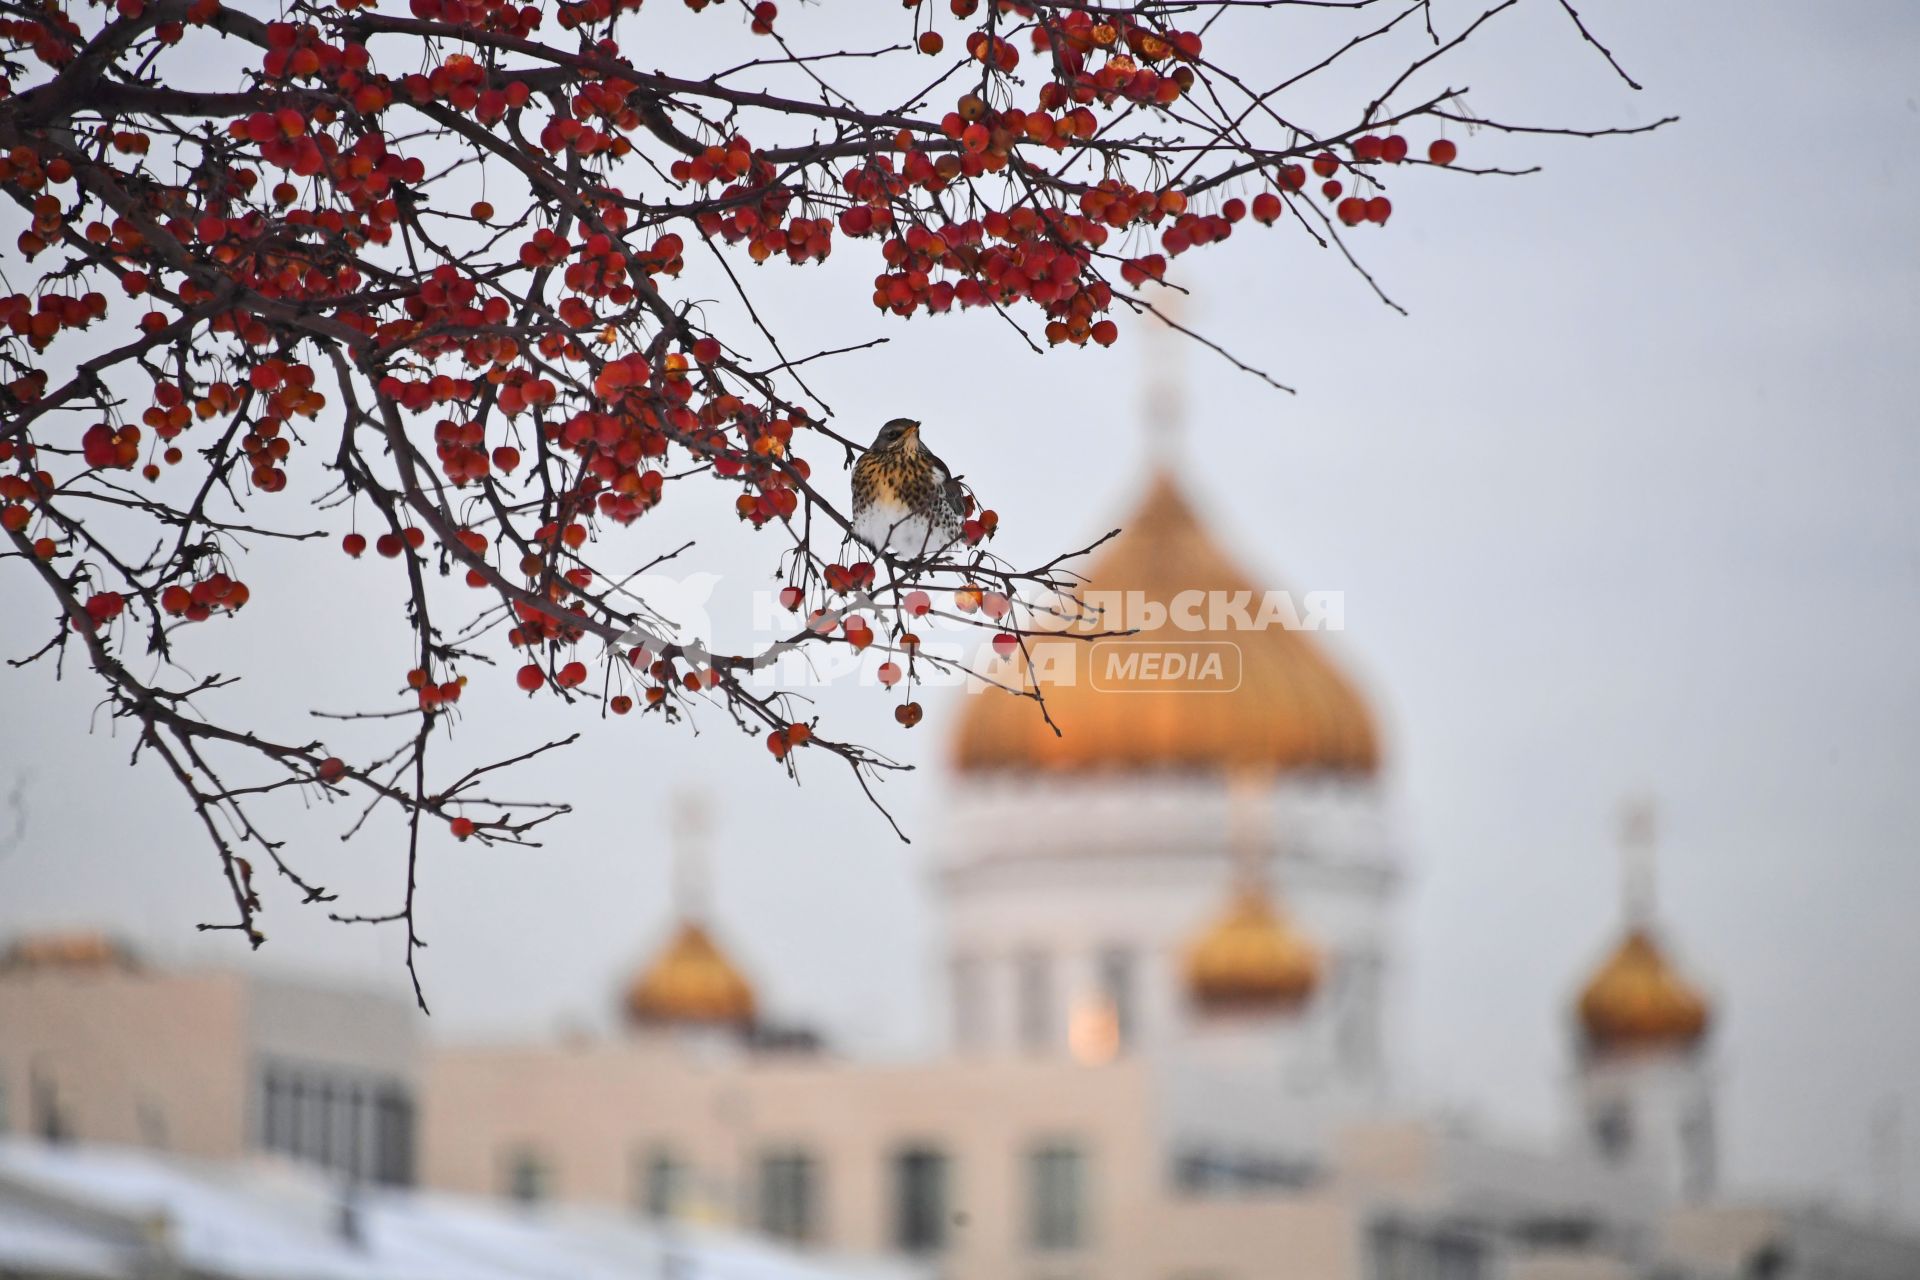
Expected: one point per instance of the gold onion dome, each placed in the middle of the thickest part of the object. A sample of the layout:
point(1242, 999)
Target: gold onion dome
point(691, 981)
point(1251, 959)
point(1638, 1000)
point(1291, 709)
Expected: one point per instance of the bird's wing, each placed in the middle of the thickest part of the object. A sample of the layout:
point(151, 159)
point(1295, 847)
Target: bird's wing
point(955, 494)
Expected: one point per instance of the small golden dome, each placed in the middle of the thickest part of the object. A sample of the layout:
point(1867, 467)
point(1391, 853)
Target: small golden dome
point(77, 950)
point(1637, 1000)
point(1282, 706)
point(691, 981)
point(1251, 959)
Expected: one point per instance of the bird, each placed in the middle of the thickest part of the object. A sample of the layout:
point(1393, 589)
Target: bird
point(904, 498)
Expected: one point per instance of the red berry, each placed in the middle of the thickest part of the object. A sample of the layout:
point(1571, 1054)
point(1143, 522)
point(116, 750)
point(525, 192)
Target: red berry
point(777, 743)
point(354, 544)
point(1005, 643)
point(931, 43)
point(1378, 209)
point(1367, 148)
point(889, 674)
point(1393, 149)
point(332, 769)
point(908, 714)
point(572, 675)
point(530, 677)
point(1267, 208)
point(621, 704)
point(462, 827)
point(1441, 151)
point(916, 603)
point(1352, 211)
point(1326, 164)
point(388, 545)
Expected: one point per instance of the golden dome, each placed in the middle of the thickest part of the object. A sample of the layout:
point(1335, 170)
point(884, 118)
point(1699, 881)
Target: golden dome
point(691, 981)
point(1282, 705)
point(1637, 1000)
point(1251, 959)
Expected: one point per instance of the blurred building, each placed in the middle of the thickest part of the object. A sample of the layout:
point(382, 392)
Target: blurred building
point(87, 1212)
point(1171, 963)
point(96, 1047)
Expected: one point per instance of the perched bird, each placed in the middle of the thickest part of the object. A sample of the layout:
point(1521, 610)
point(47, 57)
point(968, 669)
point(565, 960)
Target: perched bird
point(904, 498)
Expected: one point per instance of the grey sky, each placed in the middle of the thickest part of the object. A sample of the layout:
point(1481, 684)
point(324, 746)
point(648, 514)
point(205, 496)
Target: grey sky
point(1625, 506)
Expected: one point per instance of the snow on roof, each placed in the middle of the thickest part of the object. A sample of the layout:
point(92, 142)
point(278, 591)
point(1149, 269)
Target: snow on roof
point(100, 1213)
point(35, 1243)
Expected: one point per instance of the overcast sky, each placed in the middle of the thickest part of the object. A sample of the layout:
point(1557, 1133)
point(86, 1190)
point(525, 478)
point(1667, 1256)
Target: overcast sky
point(1625, 506)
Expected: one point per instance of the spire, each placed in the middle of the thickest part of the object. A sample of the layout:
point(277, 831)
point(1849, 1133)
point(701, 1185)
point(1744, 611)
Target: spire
point(689, 826)
point(1166, 389)
point(1637, 822)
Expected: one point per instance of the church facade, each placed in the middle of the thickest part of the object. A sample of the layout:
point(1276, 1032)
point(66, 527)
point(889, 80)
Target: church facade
point(1170, 965)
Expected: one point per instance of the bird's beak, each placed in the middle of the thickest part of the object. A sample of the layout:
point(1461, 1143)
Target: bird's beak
point(913, 429)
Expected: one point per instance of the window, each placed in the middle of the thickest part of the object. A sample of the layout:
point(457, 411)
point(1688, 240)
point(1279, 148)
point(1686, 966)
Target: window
point(320, 1123)
point(529, 1179)
point(789, 1195)
point(1696, 1145)
point(1116, 988)
point(1405, 1251)
point(1211, 1171)
point(354, 1125)
point(1035, 978)
point(276, 1113)
point(1357, 991)
point(1056, 1188)
point(393, 1136)
point(968, 1011)
point(1613, 1130)
point(919, 1200)
point(664, 1180)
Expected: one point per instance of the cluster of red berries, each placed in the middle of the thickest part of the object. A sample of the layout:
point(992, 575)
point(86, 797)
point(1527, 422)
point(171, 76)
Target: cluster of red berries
point(781, 741)
point(715, 164)
point(302, 52)
point(432, 694)
point(588, 13)
point(1130, 51)
point(197, 602)
point(488, 15)
point(103, 607)
point(992, 135)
